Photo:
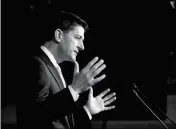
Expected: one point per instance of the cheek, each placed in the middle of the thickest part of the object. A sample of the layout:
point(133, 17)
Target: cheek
point(69, 45)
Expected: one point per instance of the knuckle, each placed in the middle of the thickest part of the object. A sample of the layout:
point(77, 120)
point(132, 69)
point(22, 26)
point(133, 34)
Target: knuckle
point(90, 82)
point(96, 72)
point(93, 68)
point(95, 81)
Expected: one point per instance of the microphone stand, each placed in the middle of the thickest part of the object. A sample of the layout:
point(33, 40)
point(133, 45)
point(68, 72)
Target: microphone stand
point(154, 105)
point(136, 90)
point(150, 109)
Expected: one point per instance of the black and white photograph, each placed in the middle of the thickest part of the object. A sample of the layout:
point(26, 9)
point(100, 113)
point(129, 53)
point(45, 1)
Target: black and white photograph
point(69, 64)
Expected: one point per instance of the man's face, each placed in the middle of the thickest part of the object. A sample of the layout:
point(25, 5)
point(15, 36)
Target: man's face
point(72, 43)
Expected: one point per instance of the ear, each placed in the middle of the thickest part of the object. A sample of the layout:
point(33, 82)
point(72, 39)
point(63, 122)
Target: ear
point(58, 35)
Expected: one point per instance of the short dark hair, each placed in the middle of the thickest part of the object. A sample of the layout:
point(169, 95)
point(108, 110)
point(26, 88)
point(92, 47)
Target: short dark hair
point(59, 19)
point(65, 20)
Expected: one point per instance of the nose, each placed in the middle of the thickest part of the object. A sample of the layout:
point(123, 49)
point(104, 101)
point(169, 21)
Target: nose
point(81, 45)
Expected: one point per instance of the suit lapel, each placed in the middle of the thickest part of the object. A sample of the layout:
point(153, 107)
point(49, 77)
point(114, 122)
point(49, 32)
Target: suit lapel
point(53, 70)
point(58, 79)
point(56, 76)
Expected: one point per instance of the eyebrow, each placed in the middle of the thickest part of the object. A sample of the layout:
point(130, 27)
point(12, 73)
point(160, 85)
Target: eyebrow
point(80, 36)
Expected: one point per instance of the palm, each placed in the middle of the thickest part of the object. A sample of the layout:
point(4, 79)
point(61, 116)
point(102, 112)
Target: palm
point(98, 103)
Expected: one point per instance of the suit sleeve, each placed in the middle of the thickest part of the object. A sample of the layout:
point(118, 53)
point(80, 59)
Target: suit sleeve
point(81, 118)
point(35, 105)
point(59, 104)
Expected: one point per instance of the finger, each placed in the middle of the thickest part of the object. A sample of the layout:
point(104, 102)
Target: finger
point(99, 79)
point(110, 101)
point(89, 65)
point(97, 71)
point(109, 96)
point(76, 68)
point(96, 66)
point(109, 108)
point(90, 92)
point(104, 93)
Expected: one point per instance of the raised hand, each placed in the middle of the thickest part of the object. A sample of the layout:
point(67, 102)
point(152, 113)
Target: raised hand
point(86, 77)
point(100, 102)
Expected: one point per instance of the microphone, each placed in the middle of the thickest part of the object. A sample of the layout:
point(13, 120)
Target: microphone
point(138, 93)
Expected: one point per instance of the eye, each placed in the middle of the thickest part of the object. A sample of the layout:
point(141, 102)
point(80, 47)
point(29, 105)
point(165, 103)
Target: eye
point(78, 37)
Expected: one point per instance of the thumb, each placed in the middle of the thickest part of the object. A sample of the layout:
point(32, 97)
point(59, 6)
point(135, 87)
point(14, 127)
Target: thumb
point(76, 68)
point(90, 92)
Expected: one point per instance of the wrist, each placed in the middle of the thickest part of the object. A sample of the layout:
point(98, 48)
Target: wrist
point(88, 112)
point(74, 94)
point(77, 90)
point(88, 109)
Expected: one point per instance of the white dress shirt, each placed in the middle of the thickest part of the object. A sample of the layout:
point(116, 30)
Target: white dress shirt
point(72, 91)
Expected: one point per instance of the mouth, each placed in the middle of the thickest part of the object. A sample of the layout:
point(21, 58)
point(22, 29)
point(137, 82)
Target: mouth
point(75, 52)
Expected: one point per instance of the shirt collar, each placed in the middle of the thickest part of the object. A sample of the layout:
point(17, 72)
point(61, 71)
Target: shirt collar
point(50, 56)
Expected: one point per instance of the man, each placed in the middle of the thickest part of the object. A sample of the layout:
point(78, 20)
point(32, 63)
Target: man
point(50, 103)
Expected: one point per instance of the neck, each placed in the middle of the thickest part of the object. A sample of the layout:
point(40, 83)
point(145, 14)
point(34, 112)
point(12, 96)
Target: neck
point(53, 48)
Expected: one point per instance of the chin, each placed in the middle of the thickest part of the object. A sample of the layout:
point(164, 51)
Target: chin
point(72, 58)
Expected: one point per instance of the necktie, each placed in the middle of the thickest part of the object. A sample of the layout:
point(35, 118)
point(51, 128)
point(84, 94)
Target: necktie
point(61, 75)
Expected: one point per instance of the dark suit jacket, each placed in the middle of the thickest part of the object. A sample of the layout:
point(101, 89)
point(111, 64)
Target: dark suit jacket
point(45, 103)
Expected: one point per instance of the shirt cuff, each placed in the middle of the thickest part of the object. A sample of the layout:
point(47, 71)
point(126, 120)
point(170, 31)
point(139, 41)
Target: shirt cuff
point(90, 116)
point(74, 94)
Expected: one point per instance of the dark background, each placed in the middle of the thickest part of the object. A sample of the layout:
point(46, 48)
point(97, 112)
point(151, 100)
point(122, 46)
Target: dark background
point(135, 38)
